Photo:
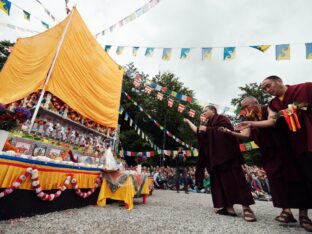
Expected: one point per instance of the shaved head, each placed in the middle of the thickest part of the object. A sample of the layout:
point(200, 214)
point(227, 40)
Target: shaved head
point(249, 100)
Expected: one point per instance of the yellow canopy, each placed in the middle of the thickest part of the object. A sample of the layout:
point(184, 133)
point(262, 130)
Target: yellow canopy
point(84, 76)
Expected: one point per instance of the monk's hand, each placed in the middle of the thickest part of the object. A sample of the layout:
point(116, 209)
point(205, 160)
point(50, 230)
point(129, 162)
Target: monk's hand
point(185, 120)
point(225, 130)
point(243, 125)
point(202, 128)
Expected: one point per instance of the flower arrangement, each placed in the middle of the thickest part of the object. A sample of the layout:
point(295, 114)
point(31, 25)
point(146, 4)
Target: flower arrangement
point(9, 120)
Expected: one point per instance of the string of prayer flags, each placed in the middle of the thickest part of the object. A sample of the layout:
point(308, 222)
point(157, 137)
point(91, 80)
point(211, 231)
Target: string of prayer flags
point(145, 8)
point(136, 128)
point(282, 52)
point(157, 123)
point(14, 27)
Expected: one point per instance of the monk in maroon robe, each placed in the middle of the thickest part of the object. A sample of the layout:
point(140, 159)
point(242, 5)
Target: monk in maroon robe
point(286, 183)
point(219, 153)
point(301, 139)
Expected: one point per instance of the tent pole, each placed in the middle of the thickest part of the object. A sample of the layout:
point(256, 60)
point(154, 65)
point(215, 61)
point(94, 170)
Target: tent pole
point(49, 74)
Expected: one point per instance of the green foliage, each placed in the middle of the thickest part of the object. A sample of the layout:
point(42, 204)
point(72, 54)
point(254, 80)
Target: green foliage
point(252, 157)
point(252, 89)
point(4, 52)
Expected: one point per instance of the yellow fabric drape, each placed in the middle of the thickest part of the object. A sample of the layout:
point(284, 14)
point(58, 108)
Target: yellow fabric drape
point(84, 76)
point(125, 192)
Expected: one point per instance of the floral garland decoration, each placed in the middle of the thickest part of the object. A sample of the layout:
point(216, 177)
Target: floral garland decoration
point(45, 196)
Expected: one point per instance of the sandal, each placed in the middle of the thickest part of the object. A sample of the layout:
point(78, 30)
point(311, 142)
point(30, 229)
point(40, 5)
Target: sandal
point(285, 217)
point(224, 211)
point(304, 220)
point(249, 215)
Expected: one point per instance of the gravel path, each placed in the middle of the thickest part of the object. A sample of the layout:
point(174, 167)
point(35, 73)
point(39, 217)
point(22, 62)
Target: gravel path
point(165, 212)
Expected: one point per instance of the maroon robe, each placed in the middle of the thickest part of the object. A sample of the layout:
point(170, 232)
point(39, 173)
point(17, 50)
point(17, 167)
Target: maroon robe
point(301, 140)
point(220, 154)
point(286, 184)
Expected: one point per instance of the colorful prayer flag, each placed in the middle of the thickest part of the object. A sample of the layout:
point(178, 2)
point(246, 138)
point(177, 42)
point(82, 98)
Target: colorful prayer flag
point(166, 54)
point(202, 118)
point(5, 5)
point(121, 110)
point(107, 48)
point(119, 50)
point(147, 89)
point(308, 50)
point(170, 102)
point(181, 108)
point(229, 53)
point(192, 113)
point(160, 96)
point(26, 15)
point(262, 48)
point(45, 25)
point(135, 51)
point(136, 83)
point(185, 53)
point(282, 52)
point(206, 53)
point(149, 52)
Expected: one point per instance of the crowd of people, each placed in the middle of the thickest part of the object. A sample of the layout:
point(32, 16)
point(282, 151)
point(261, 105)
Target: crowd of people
point(165, 178)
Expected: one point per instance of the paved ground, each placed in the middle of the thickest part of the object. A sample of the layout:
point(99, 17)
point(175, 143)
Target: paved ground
point(165, 212)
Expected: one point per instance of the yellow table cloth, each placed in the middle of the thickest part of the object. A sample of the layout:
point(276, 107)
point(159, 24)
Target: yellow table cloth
point(125, 191)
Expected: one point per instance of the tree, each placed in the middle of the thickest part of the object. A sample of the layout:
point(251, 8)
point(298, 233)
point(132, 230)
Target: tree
point(4, 51)
point(159, 110)
point(252, 89)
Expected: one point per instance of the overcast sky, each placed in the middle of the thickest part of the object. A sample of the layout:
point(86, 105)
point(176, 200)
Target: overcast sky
point(194, 23)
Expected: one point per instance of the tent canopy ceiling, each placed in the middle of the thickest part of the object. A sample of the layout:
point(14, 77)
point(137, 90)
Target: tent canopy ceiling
point(84, 76)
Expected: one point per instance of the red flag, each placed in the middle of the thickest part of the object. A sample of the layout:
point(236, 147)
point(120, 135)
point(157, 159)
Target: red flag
point(136, 83)
point(242, 147)
point(164, 89)
point(192, 113)
point(170, 102)
point(148, 89)
point(189, 99)
point(138, 77)
point(181, 108)
point(203, 118)
point(160, 96)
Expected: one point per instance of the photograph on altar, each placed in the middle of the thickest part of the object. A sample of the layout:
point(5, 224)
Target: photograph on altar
point(54, 153)
point(39, 150)
point(23, 147)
